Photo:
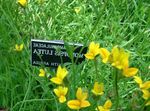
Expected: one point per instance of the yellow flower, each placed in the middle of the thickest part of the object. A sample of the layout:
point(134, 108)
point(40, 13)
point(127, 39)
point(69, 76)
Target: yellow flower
point(145, 85)
point(104, 54)
point(146, 94)
point(18, 47)
point(106, 106)
point(60, 75)
point(77, 9)
point(42, 73)
point(22, 2)
point(61, 93)
point(129, 72)
point(93, 51)
point(138, 80)
point(98, 89)
point(80, 102)
point(144, 88)
point(119, 58)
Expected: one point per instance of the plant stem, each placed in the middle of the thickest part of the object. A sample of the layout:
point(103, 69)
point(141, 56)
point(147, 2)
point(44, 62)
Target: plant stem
point(96, 70)
point(116, 89)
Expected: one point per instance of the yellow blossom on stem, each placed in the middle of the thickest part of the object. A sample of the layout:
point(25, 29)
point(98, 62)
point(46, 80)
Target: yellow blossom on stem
point(80, 102)
point(60, 75)
point(145, 85)
point(144, 88)
point(22, 2)
point(61, 93)
point(146, 94)
point(129, 72)
point(119, 58)
point(104, 55)
point(42, 73)
point(106, 106)
point(98, 89)
point(77, 9)
point(18, 47)
point(93, 50)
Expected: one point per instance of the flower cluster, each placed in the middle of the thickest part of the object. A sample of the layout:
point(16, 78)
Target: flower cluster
point(60, 91)
point(118, 58)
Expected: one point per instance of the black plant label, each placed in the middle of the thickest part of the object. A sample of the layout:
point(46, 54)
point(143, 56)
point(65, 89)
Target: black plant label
point(54, 53)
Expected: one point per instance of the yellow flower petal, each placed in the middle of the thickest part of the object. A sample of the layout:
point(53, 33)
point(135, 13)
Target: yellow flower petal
point(128, 72)
point(74, 104)
point(108, 104)
point(89, 56)
point(98, 88)
point(145, 85)
point(42, 73)
point(119, 58)
point(81, 95)
point(100, 108)
point(85, 104)
point(61, 92)
point(138, 80)
point(93, 51)
point(61, 72)
point(62, 99)
point(56, 80)
point(60, 75)
point(18, 47)
point(104, 54)
point(146, 94)
point(22, 2)
point(77, 9)
point(115, 54)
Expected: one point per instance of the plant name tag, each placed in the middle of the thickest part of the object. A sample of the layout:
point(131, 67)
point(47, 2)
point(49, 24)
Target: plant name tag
point(53, 53)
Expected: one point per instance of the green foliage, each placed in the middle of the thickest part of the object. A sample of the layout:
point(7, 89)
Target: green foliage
point(112, 22)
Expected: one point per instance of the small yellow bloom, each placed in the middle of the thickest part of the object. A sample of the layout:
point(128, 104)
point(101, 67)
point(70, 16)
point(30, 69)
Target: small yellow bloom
point(60, 75)
point(98, 89)
point(138, 80)
point(146, 94)
point(18, 47)
point(42, 73)
point(80, 102)
point(22, 2)
point(106, 106)
point(104, 54)
point(77, 9)
point(129, 72)
point(119, 58)
point(61, 93)
point(144, 88)
point(145, 85)
point(93, 51)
